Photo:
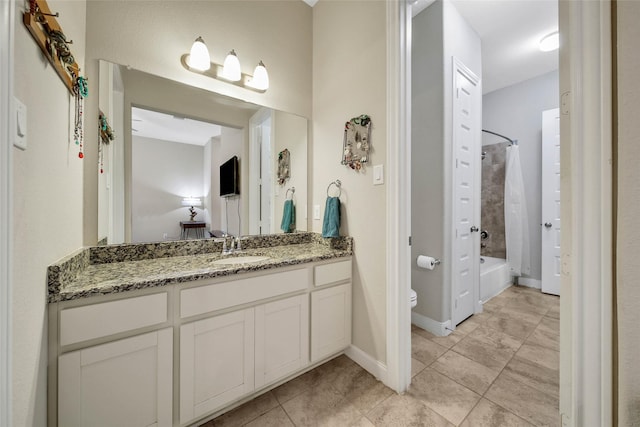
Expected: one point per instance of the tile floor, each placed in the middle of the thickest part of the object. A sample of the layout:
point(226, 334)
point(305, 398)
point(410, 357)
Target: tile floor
point(499, 368)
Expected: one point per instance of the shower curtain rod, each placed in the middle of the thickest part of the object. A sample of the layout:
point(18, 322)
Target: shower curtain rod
point(513, 142)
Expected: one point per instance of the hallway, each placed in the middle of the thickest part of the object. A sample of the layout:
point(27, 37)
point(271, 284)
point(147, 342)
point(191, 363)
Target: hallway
point(499, 368)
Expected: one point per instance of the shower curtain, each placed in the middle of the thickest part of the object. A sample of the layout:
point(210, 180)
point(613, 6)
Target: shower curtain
point(515, 216)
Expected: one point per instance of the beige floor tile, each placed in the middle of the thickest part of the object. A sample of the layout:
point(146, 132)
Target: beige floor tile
point(550, 324)
point(522, 303)
point(467, 326)
point(423, 333)
point(502, 299)
point(526, 402)
point(407, 411)
point(363, 422)
point(542, 337)
point(491, 306)
point(539, 299)
point(362, 389)
point(540, 355)
point(514, 327)
point(516, 312)
point(274, 418)
point(534, 375)
point(247, 412)
point(443, 395)
point(416, 367)
point(425, 350)
point(488, 347)
point(482, 317)
point(488, 414)
point(299, 385)
point(448, 341)
point(554, 312)
point(465, 371)
point(321, 406)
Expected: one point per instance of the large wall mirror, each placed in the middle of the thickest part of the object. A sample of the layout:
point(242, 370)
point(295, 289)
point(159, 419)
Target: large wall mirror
point(164, 163)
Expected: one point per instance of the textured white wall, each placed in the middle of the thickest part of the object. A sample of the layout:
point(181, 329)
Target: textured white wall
point(628, 235)
point(163, 173)
point(516, 112)
point(349, 79)
point(47, 203)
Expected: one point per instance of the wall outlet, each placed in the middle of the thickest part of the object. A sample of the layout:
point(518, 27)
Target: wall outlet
point(165, 236)
point(316, 211)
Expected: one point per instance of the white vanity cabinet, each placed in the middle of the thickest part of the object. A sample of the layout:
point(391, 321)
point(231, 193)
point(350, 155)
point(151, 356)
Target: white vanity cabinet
point(180, 354)
point(216, 362)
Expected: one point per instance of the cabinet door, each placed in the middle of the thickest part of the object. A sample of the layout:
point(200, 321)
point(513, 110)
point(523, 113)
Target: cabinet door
point(121, 383)
point(330, 321)
point(216, 362)
point(282, 338)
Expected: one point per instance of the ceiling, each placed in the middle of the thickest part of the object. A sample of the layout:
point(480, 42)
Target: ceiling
point(510, 31)
point(167, 127)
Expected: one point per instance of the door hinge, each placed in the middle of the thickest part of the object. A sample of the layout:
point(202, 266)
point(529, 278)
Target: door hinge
point(409, 240)
point(455, 304)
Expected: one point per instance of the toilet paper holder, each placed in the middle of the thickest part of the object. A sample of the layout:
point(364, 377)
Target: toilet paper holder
point(427, 262)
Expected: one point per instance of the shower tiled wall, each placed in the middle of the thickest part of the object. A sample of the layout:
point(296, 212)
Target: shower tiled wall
point(492, 199)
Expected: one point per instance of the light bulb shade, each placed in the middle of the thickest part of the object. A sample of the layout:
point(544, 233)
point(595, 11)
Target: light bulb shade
point(260, 78)
point(550, 42)
point(231, 68)
point(199, 56)
point(191, 201)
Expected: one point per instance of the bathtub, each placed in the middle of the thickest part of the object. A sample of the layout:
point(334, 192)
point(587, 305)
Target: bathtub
point(494, 277)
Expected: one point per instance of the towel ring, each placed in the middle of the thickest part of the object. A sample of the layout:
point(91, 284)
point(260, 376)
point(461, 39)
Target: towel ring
point(293, 190)
point(338, 184)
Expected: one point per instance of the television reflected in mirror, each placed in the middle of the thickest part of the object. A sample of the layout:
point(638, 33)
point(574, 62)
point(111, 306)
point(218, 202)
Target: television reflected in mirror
point(174, 142)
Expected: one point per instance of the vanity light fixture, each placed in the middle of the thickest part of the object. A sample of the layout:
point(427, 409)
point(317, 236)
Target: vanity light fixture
point(199, 56)
point(198, 61)
point(231, 68)
point(550, 42)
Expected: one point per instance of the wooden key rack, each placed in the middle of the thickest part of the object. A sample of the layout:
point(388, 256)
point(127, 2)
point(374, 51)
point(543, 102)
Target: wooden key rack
point(43, 26)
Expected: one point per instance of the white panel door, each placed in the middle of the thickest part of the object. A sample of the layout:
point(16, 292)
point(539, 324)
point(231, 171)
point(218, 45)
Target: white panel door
point(466, 199)
point(122, 383)
point(330, 321)
point(282, 338)
point(551, 201)
point(216, 362)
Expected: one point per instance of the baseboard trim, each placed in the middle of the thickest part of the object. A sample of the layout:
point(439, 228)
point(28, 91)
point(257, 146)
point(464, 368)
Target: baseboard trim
point(529, 282)
point(371, 365)
point(441, 329)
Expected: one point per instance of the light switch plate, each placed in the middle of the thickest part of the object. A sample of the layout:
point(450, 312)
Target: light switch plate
point(20, 117)
point(378, 175)
point(316, 211)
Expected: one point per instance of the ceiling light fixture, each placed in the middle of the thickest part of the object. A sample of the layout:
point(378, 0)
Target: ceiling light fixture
point(198, 61)
point(550, 42)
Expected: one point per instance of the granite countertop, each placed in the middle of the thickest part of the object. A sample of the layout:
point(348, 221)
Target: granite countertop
point(120, 268)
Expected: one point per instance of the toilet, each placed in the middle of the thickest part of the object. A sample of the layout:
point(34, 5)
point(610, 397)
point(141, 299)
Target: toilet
point(414, 298)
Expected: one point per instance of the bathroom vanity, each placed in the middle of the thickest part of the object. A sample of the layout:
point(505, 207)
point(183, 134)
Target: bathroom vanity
point(146, 335)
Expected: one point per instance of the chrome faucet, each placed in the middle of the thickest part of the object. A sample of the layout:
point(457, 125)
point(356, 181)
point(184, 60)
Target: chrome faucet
point(234, 244)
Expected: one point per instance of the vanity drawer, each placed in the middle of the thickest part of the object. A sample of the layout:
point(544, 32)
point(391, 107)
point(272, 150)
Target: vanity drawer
point(108, 318)
point(332, 273)
point(218, 296)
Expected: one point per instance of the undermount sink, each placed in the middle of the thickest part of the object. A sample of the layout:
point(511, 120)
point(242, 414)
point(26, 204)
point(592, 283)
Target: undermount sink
point(241, 259)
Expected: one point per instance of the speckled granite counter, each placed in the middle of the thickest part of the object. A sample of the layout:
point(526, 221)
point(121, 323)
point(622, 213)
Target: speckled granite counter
point(111, 269)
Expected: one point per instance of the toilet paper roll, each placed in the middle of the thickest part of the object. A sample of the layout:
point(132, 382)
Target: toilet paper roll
point(426, 262)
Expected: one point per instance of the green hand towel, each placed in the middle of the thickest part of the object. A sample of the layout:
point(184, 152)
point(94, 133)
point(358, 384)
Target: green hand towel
point(288, 223)
point(331, 224)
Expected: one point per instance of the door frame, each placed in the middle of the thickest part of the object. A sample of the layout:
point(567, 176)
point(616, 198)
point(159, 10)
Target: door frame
point(6, 235)
point(254, 168)
point(585, 87)
point(586, 331)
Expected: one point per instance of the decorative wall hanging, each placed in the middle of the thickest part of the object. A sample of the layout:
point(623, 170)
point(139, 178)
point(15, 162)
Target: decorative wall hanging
point(106, 136)
point(46, 31)
point(80, 91)
point(356, 145)
point(284, 166)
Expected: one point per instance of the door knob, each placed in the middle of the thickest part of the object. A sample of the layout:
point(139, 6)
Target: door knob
point(548, 224)
point(474, 229)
